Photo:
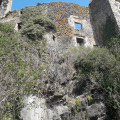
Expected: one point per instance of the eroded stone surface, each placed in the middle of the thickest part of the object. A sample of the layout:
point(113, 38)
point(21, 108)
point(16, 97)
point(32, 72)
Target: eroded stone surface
point(96, 110)
point(37, 109)
point(5, 7)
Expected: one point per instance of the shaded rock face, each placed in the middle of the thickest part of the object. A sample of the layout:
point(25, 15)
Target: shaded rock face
point(5, 7)
point(67, 99)
point(96, 110)
point(37, 109)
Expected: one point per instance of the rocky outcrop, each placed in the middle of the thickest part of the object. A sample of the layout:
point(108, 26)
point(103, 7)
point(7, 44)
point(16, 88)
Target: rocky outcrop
point(37, 108)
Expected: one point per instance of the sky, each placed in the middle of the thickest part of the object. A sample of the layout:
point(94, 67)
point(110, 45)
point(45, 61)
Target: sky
point(18, 4)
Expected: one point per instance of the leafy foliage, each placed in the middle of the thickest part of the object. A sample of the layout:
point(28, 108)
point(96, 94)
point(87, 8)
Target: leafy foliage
point(37, 22)
point(99, 66)
point(32, 12)
point(102, 68)
point(115, 47)
point(22, 65)
point(77, 106)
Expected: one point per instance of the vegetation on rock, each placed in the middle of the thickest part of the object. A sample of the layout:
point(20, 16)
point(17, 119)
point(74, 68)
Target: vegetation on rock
point(23, 63)
point(102, 68)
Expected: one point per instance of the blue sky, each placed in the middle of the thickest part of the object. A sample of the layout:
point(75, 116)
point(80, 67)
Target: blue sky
point(18, 4)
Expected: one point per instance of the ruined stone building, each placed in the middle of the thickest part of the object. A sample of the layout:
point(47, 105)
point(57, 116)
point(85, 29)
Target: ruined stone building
point(5, 7)
point(76, 25)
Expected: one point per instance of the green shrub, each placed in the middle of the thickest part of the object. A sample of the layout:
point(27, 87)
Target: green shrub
point(33, 31)
point(36, 27)
point(77, 106)
point(18, 71)
point(114, 47)
point(74, 54)
point(35, 23)
point(102, 69)
point(32, 12)
point(6, 28)
point(89, 98)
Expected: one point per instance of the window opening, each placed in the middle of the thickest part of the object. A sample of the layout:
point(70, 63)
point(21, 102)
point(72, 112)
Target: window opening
point(54, 37)
point(21, 12)
point(80, 41)
point(19, 26)
point(78, 26)
point(95, 45)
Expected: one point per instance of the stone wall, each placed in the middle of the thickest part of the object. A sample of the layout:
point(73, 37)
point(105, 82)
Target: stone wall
point(64, 16)
point(100, 11)
point(115, 5)
point(5, 7)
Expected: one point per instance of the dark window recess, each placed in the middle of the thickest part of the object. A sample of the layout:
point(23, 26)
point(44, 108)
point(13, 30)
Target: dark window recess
point(54, 37)
point(21, 12)
point(78, 26)
point(19, 26)
point(80, 41)
point(0, 2)
point(95, 45)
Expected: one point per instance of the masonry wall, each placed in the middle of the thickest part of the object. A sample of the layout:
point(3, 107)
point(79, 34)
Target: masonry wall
point(64, 16)
point(5, 7)
point(100, 11)
point(115, 5)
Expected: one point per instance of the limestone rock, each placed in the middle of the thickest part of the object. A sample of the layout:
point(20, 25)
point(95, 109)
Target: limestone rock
point(96, 111)
point(37, 109)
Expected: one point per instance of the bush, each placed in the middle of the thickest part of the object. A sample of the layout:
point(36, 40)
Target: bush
point(6, 28)
point(102, 69)
point(32, 12)
point(114, 47)
point(35, 23)
point(36, 27)
point(98, 65)
point(20, 73)
point(75, 54)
